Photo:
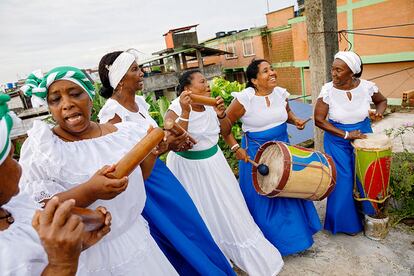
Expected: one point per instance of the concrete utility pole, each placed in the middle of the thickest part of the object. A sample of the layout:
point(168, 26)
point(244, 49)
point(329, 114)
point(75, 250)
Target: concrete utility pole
point(322, 24)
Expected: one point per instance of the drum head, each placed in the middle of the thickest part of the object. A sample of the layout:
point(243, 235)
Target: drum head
point(373, 141)
point(273, 157)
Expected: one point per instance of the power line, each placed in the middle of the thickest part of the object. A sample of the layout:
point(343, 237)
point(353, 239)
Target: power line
point(355, 31)
point(392, 73)
point(382, 27)
point(401, 84)
point(377, 35)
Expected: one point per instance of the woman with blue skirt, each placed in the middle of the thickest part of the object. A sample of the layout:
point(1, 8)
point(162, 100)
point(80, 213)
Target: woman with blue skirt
point(173, 218)
point(346, 101)
point(262, 107)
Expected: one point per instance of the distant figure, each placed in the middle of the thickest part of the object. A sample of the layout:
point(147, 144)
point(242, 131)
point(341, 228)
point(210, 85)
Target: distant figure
point(29, 89)
point(288, 223)
point(346, 101)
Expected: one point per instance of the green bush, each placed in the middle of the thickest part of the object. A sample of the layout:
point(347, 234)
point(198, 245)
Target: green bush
point(224, 88)
point(402, 176)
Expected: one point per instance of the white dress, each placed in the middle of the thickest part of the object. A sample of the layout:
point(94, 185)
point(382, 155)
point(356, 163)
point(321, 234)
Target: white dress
point(216, 193)
point(142, 117)
point(345, 111)
point(21, 252)
point(51, 166)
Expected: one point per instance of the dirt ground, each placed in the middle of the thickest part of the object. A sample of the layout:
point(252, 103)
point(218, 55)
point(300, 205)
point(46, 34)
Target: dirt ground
point(358, 255)
point(345, 255)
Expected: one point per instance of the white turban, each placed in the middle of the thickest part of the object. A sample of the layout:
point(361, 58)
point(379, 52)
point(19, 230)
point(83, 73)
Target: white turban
point(351, 59)
point(120, 67)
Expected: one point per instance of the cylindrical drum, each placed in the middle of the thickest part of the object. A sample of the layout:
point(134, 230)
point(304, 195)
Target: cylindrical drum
point(294, 172)
point(372, 171)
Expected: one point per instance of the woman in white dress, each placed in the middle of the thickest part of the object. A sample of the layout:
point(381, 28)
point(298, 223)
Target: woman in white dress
point(61, 233)
point(61, 160)
point(208, 179)
point(346, 101)
point(263, 108)
point(174, 221)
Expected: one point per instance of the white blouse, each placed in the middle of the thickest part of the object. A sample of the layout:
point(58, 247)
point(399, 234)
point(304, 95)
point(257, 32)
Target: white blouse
point(51, 166)
point(21, 252)
point(142, 117)
point(203, 126)
point(345, 111)
point(259, 116)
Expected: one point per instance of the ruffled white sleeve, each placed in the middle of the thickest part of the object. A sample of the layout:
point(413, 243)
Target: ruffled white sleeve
point(324, 95)
point(175, 107)
point(36, 166)
point(283, 93)
point(244, 97)
point(371, 87)
point(109, 110)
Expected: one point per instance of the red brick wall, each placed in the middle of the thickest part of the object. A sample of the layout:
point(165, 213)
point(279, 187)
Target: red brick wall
point(282, 46)
point(289, 78)
point(279, 18)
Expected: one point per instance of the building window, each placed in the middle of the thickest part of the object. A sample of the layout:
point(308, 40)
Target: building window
point(230, 47)
point(248, 47)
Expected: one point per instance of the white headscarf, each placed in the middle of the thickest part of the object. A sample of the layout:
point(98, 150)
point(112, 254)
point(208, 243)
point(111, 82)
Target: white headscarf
point(351, 59)
point(120, 67)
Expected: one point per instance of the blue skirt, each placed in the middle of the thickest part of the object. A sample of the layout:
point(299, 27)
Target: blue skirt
point(341, 210)
point(288, 223)
point(178, 228)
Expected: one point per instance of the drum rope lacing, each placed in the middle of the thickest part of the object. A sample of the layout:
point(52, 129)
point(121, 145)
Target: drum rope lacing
point(356, 196)
point(323, 169)
point(312, 166)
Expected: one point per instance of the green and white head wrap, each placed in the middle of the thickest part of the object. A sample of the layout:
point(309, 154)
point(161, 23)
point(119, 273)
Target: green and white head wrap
point(6, 124)
point(32, 81)
point(69, 73)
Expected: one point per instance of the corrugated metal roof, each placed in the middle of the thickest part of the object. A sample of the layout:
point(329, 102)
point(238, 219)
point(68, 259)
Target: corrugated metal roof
point(181, 29)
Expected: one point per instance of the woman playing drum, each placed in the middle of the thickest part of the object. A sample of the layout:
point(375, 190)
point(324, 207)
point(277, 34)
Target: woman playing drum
point(264, 111)
point(346, 101)
point(209, 180)
point(174, 221)
point(69, 160)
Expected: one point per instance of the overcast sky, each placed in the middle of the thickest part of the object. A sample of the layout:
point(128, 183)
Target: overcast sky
point(47, 33)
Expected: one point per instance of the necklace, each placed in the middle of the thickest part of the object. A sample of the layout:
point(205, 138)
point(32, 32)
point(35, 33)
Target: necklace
point(8, 217)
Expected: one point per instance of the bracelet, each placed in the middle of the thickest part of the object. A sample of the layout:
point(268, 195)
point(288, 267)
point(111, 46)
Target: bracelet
point(183, 119)
point(224, 116)
point(235, 147)
point(346, 135)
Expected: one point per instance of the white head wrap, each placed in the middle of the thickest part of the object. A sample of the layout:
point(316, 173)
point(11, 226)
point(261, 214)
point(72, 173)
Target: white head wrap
point(120, 67)
point(351, 59)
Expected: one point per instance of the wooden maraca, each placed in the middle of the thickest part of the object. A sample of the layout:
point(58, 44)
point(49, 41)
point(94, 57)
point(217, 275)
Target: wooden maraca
point(176, 129)
point(127, 164)
point(198, 99)
point(92, 219)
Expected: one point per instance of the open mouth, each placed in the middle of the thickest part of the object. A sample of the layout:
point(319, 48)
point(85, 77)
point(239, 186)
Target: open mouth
point(73, 118)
